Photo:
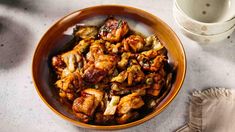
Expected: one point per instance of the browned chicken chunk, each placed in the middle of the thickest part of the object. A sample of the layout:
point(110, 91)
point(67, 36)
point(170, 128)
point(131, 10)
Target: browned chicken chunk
point(114, 48)
point(103, 65)
point(113, 30)
point(85, 105)
point(134, 43)
point(129, 102)
point(151, 60)
point(135, 74)
point(69, 85)
point(156, 81)
point(97, 48)
point(58, 64)
point(67, 63)
point(106, 63)
point(93, 75)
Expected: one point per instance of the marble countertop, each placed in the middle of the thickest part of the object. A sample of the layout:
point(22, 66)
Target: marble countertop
point(22, 24)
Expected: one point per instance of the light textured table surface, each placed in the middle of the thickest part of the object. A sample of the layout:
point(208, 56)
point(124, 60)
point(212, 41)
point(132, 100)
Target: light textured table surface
point(22, 24)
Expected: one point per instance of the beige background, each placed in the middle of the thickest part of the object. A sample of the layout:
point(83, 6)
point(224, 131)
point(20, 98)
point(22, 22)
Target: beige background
point(22, 24)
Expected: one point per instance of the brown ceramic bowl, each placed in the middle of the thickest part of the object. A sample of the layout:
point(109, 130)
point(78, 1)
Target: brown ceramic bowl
point(55, 38)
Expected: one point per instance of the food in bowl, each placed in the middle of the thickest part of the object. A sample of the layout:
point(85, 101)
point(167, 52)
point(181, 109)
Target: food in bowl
point(112, 75)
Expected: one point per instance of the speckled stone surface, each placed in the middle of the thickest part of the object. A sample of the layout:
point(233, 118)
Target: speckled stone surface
point(22, 24)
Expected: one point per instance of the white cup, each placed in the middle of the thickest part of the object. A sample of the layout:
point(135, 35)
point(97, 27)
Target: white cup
point(205, 17)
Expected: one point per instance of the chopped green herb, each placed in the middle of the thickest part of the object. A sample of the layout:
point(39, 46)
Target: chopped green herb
point(119, 23)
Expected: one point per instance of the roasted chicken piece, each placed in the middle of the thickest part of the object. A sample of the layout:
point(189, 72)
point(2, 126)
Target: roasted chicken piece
point(85, 32)
point(151, 60)
point(85, 105)
point(113, 30)
point(158, 63)
point(114, 48)
point(58, 65)
point(145, 58)
point(69, 85)
point(157, 81)
point(106, 63)
point(103, 65)
point(134, 43)
point(150, 54)
point(97, 93)
point(93, 75)
point(97, 48)
point(129, 102)
point(135, 75)
point(67, 63)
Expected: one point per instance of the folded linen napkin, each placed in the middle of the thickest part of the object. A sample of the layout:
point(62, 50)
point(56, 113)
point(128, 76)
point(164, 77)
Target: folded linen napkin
point(211, 110)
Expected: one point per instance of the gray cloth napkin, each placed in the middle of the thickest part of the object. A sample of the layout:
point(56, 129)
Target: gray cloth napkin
point(211, 110)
